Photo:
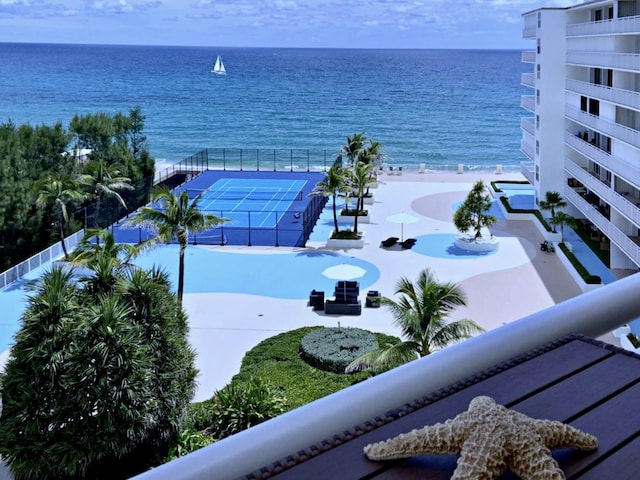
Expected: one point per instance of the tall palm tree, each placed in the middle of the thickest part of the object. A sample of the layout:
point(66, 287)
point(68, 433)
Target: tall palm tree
point(354, 146)
point(104, 180)
point(332, 186)
point(59, 192)
point(359, 178)
point(564, 219)
point(421, 313)
point(174, 216)
point(552, 200)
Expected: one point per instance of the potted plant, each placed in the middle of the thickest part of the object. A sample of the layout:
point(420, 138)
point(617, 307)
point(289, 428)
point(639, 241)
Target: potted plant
point(473, 216)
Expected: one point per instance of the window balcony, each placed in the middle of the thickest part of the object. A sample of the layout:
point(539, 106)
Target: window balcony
point(528, 125)
point(619, 166)
point(607, 127)
point(528, 102)
point(528, 80)
point(623, 204)
point(624, 98)
point(528, 170)
point(618, 61)
point(615, 235)
point(614, 26)
point(529, 56)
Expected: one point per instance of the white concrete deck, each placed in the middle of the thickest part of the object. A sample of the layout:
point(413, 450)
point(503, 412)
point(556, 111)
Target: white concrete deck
point(514, 282)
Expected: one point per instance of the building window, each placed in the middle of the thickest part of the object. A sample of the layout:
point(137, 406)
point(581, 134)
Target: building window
point(538, 46)
point(583, 103)
point(537, 121)
point(537, 147)
point(539, 19)
point(537, 173)
point(598, 15)
point(597, 76)
point(594, 107)
point(538, 71)
point(538, 97)
point(609, 78)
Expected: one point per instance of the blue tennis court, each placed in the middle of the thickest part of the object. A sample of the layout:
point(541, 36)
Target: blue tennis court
point(264, 198)
point(263, 208)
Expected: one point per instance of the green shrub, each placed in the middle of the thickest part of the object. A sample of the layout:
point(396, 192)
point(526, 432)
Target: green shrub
point(199, 415)
point(346, 235)
point(584, 273)
point(352, 212)
point(633, 338)
point(189, 441)
point(332, 349)
point(536, 212)
point(243, 404)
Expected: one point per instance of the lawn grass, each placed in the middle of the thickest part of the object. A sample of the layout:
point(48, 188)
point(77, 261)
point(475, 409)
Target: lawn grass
point(277, 361)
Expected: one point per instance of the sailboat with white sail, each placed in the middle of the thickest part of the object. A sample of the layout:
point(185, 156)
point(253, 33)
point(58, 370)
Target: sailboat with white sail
point(218, 68)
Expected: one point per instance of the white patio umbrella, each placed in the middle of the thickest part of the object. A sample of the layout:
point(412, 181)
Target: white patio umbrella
point(402, 218)
point(344, 271)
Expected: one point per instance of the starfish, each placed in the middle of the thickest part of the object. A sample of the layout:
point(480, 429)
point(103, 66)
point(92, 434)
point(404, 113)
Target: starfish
point(490, 440)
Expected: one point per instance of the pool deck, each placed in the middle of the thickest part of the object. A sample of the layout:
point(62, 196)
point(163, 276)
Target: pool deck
point(503, 287)
point(514, 282)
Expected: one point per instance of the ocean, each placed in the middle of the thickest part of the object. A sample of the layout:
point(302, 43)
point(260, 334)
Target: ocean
point(438, 107)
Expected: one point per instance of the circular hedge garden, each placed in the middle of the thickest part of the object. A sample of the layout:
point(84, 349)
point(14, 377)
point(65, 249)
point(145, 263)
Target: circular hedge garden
point(332, 349)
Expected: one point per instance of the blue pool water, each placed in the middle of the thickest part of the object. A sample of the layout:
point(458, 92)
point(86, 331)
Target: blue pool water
point(441, 245)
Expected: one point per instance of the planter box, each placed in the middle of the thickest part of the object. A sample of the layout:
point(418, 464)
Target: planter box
point(350, 219)
point(344, 243)
point(369, 200)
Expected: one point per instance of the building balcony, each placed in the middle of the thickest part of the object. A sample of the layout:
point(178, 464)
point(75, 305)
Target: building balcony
point(619, 61)
point(528, 80)
point(528, 149)
point(607, 127)
point(529, 56)
point(614, 26)
point(528, 170)
point(528, 124)
point(618, 166)
point(626, 205)
point(530, 27)
point(528, 102)
point(624, 98)
point(615, 235)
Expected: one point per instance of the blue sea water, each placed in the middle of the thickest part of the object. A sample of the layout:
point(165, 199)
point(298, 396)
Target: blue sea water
point(439, 107)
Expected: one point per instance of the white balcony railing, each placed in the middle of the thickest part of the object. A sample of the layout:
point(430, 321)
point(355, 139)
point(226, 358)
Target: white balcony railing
point(528, 102)
point(614, 199)
point(529, 30)
point(528, 79)
point(528, 150)
point(613, 26)
point(527, 169)
point(625, 98)
point(528, 125)
point(529, 56)
point(619, 166)
point(594, 313)
point(607, 127)
point(617, 236)
point(619, 61)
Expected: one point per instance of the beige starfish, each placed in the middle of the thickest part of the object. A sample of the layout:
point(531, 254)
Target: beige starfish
point(490, 440)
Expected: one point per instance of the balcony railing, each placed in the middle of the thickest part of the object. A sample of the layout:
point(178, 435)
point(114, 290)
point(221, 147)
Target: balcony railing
point(529, 56)
point(528, 150)
point(528, 125)
point(619, 61)
point(625, 98)
point(529, 30)
point(617, 236)
point(528, 79)
point(594, 313)
point(607, 127)
point(619, 166)
point(605, 27)
point(615, 200)
point(528, 102)
point(527, 169)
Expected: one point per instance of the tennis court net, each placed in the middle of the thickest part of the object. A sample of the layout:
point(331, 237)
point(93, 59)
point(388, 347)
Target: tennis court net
point(249, 193)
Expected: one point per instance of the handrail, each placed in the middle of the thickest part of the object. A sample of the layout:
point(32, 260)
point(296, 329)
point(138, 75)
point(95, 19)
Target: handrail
point(593, 313)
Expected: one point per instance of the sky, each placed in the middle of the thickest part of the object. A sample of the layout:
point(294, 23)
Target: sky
point(489, 24)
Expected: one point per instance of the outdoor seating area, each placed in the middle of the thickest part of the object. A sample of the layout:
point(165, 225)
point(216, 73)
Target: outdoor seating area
point(373, 299)
point(389, 242)
point(316, 300)
point(408, 243)
point(345, 300)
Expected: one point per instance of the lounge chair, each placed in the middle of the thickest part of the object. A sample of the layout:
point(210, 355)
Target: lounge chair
point(389, 242)
point(408, 243)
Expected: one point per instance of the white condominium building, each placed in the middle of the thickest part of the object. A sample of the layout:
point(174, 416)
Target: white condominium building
point(582, 136)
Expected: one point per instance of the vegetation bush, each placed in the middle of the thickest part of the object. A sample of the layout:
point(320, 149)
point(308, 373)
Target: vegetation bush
point(633, 338)
point(351, 212)
point(189, 441)
point(332, 349)
point(346, 234)
point(99, 378)
point(582, 271)
point(243, 404)
point(277, 359)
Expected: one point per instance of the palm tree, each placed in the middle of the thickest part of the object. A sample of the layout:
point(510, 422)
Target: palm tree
point(59, 192)
point(552, 200)
point(359, 177)
point(103, 181)
point(562, 219)
point(332, 186)
point(174, 216)
point(354, 146)
point(421, 313)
